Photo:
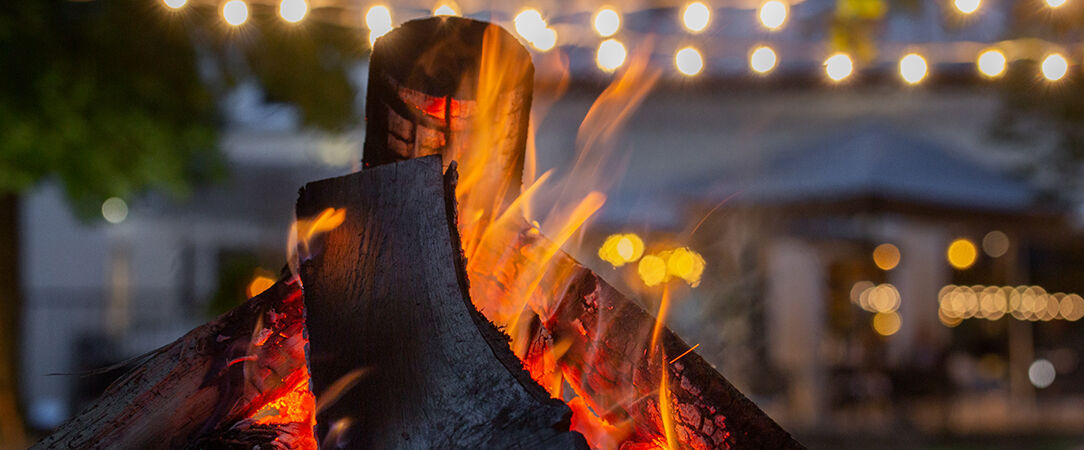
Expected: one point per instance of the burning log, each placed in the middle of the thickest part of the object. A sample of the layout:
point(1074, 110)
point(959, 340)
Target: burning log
point(399, 356)
point(208, 388)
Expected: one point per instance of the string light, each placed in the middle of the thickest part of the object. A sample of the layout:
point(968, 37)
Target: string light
point(293, 10)
point(762, 60)
point(378, 20)
point(175, 4)
point(446, 9)
point(689, 61)
point(235, 12)
point(607, 22)
point(696, 17)
point(773, 14)
point(1055, 67)
point(533, 28)
point(992, 63)
point(913, 68)
point(838, 67)
point(611, 55)
point(967, 6)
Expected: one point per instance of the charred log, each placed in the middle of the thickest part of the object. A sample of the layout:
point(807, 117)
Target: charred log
point(393, 335)
point(204, 384)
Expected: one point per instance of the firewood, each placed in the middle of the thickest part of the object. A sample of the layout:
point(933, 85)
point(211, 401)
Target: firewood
point(606, 355)
point(207, 384)
point(393, 335)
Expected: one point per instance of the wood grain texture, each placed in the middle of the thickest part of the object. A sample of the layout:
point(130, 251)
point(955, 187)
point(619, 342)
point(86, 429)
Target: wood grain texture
point(209, 380)
point(388, 309)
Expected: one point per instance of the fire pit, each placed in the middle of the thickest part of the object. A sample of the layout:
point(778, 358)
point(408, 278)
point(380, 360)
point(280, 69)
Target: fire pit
point(388, 329)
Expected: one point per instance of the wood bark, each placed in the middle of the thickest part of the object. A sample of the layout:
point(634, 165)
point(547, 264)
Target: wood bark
point(393, 335)
point(202, 390)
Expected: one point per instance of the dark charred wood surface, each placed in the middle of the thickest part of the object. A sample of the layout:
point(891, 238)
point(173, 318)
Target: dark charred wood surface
point(203, 384)
point(392, 331)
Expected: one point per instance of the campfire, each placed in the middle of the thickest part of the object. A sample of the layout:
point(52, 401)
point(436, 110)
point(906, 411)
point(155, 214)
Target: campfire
point(421, 308)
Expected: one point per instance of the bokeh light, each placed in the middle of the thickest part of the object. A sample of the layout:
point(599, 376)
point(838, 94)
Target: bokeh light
point(533, 28)
point(696, 17)
point(762, 60)
point(378, 20)
point(961, 253)
point(992, 63)
point(686, 264)
point(886, 256)
point(913, 68)
point(967, 6)
point(689, 61)
point(995, 244)
point(1041, 373)
point(114, 210)
point(235, 12)
point(258, 284)
point(838, 66)
point(175, 4)
point(1055, 3)
point(652, 270)
point(773, 14)
point(446, 9)
point(607, 22)
point(293, 10)
point(619, 249)
point(1055, 67)
point(611, 55)
point(886, 323)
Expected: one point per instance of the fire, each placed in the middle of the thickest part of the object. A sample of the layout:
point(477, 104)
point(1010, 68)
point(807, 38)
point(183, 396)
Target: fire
point(297, 406)
point(303, 231)
point(664, 409)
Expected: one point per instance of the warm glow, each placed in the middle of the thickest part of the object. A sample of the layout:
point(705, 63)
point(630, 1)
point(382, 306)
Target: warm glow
point(619, 249)
point(446, 9)
point(258, 284)
point(1055, 3)
point(995, 244)
point(838, 66)
point(1055, 67)
point(886, 256)
point(293, 10)
point(665, 410)
point(992, 63)
point(696, 17)
point(685, 264)
point(883, 298)
point(611, 55)
point(546, 40)
point(652, 270)
point(688, 61)
point(762, 60)
point(967, 6)
point(961, 253)
point(607, 22)
point(235, 12)
point(378, 20)
point(913, 68)
point(773, 14)
point(175, 4)
point(114, 210)
point(886, 324)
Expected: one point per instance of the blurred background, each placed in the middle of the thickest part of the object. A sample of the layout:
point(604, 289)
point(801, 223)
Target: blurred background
point(868, 212)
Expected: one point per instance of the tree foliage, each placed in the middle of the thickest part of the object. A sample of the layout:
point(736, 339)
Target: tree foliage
point(113, 97)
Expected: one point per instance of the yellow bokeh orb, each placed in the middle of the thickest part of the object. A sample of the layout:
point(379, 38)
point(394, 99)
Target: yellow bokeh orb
point(961, 253)
point(887, 323)
point(652, 270)
point(886, 256)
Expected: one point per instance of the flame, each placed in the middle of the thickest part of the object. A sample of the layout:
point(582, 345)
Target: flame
point(296, 406)
point(303, 231)
point(660, 318)
point(664, 408)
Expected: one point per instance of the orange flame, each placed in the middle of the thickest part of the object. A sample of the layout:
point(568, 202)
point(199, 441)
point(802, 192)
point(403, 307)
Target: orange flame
point(303, 231)
point(664, 409)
